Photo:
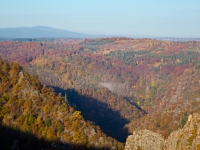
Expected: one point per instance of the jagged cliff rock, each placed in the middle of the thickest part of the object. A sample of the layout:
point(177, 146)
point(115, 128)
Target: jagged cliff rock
point(145, 140)
point(187, 138)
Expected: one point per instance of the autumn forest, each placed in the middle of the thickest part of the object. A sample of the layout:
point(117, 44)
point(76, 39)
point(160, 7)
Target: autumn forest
point(93, 93)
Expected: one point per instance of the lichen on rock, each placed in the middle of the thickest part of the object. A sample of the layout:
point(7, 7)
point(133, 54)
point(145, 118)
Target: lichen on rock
point(187, 138)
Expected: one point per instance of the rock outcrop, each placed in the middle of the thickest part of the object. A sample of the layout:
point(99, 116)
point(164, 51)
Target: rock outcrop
point(144, 140)
point(187, 138)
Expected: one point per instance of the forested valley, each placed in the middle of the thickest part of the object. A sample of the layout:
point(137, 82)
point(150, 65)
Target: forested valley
point(93, 93)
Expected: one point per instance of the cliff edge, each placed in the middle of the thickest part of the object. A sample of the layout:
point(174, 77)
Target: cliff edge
point(187, 138)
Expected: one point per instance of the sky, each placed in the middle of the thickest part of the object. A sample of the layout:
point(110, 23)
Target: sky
point(131, 18)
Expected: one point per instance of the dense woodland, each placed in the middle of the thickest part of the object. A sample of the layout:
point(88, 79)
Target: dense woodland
point(119, 84)
point(34, 117)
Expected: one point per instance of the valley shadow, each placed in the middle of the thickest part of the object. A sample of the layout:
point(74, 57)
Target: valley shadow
point(97, 112)
point(13, 139)
point(128, 99)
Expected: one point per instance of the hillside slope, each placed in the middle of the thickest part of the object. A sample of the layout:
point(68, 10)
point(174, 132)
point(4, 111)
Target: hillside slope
point(35, 113)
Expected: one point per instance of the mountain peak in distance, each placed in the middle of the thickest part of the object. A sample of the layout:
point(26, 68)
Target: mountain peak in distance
point(41, 32)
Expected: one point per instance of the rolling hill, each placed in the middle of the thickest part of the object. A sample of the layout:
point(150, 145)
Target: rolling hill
point(40, 32)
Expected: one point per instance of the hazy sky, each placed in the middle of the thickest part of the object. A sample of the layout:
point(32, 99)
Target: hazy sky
point(136, 18)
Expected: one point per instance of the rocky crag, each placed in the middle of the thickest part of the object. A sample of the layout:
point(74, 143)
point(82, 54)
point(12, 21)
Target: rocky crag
point(187, 138)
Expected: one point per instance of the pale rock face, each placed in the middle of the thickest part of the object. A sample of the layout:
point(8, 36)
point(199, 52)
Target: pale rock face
point(187, 138)
point(145, 140)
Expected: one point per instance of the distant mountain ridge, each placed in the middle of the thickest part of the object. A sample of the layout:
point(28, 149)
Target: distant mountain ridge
point(41, 32)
